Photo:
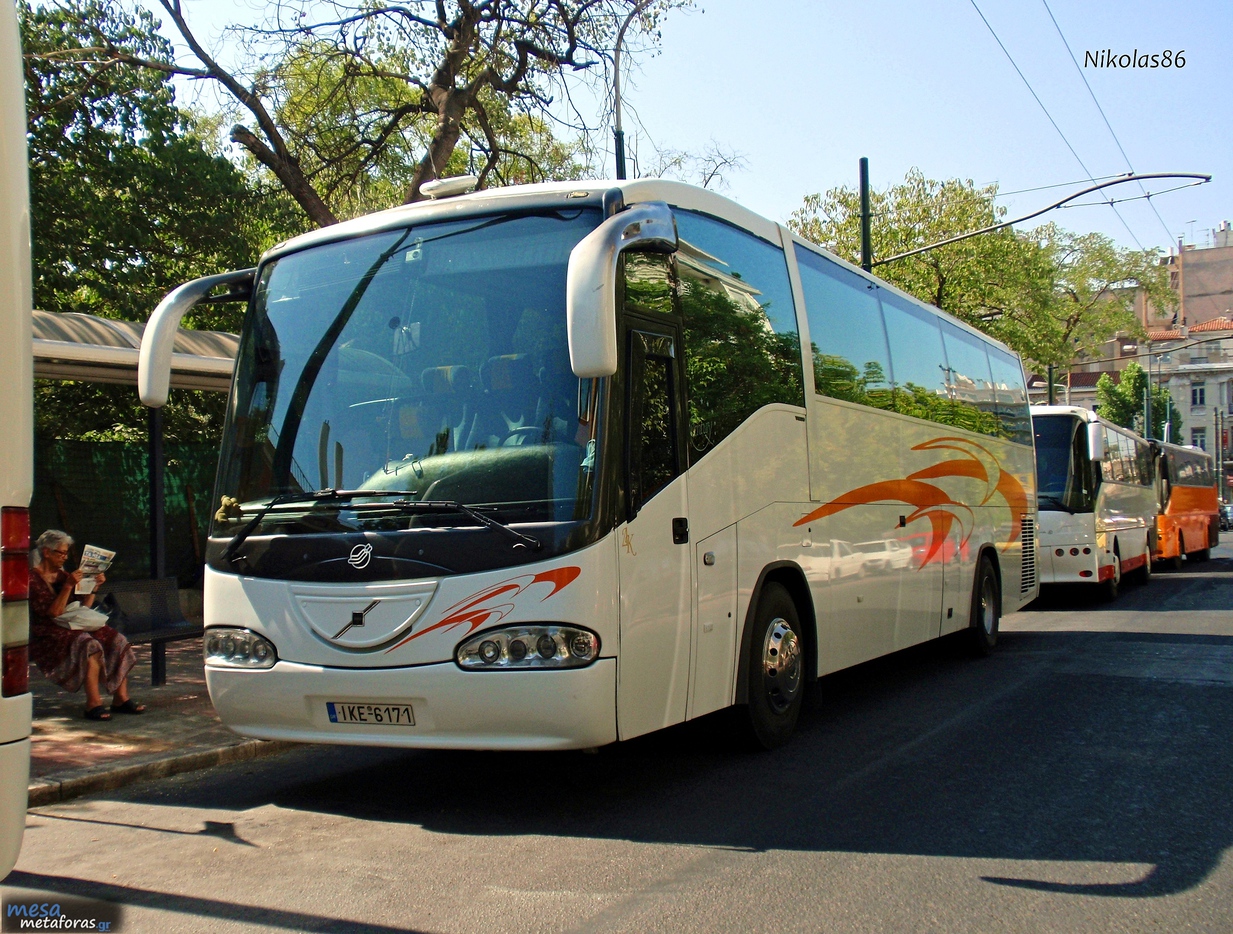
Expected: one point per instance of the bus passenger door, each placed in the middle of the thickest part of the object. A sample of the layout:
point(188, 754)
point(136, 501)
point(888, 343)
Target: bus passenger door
point(654, 554)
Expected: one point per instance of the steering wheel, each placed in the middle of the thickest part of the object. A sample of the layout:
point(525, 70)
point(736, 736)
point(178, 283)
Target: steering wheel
point(522, 430)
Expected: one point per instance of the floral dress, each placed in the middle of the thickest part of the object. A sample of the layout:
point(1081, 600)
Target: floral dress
point(62, 654)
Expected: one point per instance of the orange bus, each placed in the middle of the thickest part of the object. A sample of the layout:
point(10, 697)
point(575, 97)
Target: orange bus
point(1189, 519)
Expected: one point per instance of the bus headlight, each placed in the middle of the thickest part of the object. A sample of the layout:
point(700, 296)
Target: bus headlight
point(519, 647)
point(238, 648)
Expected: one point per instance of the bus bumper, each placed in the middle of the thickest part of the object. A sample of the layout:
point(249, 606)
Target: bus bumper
point(1071, 563)
point(15, 767)
point(453, 709)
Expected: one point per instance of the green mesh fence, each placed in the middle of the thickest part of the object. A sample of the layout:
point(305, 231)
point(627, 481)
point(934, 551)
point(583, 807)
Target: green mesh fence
point(99, 493)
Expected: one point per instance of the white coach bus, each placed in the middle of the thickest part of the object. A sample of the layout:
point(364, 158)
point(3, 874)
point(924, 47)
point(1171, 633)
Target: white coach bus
point(1096, 484)
point(553, 466)
point(16, 451)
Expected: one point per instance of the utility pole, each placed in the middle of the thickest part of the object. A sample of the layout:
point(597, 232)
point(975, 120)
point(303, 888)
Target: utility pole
point(866, 243)
point(618, 134)
point(1049, 377)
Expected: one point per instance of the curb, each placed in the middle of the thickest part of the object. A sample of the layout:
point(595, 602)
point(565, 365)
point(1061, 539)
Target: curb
point(49, 792)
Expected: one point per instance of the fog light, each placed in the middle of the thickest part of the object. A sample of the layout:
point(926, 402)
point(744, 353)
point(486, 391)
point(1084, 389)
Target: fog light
point(238, 648)
point(547, 645)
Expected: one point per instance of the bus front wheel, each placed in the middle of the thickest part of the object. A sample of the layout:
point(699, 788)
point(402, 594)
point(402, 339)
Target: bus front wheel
point(776, 669)
point(986, 609)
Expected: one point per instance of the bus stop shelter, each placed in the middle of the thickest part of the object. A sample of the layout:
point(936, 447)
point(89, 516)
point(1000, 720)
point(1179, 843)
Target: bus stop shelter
point(86, 348)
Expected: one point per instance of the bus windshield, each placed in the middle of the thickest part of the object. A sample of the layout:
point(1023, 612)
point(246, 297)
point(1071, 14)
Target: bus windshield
point(430, 360)
point(1063, 469)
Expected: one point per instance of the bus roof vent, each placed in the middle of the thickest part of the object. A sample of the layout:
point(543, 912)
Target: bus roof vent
point(448, 187)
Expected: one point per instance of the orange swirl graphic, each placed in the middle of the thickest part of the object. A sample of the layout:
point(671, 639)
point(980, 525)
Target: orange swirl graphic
point(935, 504)
point(482, 607)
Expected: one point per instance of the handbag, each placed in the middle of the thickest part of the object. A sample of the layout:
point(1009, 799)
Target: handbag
point(83, 618)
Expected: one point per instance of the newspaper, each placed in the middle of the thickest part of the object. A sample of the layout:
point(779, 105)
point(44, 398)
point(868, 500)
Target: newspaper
point(94, 561)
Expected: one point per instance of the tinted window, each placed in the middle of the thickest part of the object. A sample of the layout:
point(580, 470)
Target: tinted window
point(742, 345)
point(652, 446)
point(969, 381)
point(1010, 393)
point(1063, 469)
point(918, 362)
point(848, 341)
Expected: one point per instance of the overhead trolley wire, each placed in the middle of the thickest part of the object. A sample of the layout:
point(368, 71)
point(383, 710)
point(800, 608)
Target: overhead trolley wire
point(1070, 52)
point(1045, 109)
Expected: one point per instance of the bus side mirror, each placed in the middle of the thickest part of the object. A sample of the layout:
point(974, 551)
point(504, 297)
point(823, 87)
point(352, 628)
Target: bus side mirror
point(158, 339)
point(1096, 441)
point(590, 283)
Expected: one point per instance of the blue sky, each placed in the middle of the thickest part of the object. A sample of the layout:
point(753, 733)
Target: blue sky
point(804, 89)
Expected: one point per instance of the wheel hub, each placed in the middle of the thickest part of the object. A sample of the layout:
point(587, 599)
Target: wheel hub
point(781, 665)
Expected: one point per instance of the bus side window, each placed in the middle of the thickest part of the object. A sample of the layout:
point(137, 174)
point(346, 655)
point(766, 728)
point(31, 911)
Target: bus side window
point(918, 360)
point(742, 347)
point(1011, 393)
point(849, 353)
point(969, 381)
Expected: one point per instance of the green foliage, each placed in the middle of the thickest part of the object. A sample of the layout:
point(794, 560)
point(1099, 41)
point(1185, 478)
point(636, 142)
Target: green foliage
point(1122, 404)
point(1050, 294)
point(127, 202)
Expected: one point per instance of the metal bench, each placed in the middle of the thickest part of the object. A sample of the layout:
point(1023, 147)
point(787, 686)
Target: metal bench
point(148, 612)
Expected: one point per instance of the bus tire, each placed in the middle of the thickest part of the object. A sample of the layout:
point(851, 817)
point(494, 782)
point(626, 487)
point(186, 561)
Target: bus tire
point(1145, 572)
point(1201, 555)
point(1109, 588)
point(1175, 563)
point(776, 670)
point(986, 614)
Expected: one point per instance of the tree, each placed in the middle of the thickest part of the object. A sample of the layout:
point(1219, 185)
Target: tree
point(1050, 294)
point(127, 202)
point(1123, 403)
point(416, 77)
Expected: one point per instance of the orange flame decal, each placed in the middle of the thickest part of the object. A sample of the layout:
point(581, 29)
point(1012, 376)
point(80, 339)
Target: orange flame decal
point(932, 502)
point(481, 607)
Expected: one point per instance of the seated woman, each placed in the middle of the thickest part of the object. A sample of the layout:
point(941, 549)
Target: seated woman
point(74, 657)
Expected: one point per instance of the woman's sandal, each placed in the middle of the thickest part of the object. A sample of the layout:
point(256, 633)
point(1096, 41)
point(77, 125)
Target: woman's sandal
point(98, 713)
point(129, 706)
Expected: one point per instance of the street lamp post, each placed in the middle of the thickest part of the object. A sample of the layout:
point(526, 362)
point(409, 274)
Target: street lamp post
point(618, 134)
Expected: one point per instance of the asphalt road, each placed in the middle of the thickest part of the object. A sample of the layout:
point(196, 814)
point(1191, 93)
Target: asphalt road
point(1078, 780)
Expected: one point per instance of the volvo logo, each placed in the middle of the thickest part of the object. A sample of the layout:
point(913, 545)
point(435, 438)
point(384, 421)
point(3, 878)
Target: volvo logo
point(357, 619)
point(360, 556)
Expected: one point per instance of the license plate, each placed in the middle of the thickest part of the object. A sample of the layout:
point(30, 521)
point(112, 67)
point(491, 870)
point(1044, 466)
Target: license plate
point(379, 714)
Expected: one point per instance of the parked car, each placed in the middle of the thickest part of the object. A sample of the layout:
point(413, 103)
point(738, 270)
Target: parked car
point(884, 554)
point(1226, 516)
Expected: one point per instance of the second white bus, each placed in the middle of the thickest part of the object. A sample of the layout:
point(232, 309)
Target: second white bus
point(554, 466)
point(1097, 488)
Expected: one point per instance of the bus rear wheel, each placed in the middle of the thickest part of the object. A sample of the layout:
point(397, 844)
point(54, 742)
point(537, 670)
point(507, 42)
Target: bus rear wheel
point(776, 682)
point(1175, 563)
point(1110, 587)
point(986, 609)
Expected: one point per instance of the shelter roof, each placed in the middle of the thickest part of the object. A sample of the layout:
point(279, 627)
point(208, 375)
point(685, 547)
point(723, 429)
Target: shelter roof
point(102, 350)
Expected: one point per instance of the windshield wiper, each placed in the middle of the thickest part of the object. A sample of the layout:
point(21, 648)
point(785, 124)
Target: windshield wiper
point(1056, 501)
point(316, 496)
point(449, 505)
point(330, 496)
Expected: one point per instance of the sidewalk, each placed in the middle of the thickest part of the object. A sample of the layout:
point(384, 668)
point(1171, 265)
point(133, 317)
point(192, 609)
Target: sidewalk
point(179, 732)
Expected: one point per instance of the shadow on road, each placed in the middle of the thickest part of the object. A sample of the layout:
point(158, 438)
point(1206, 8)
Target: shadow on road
point(1199, 584)
point(1063, 746)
